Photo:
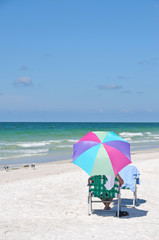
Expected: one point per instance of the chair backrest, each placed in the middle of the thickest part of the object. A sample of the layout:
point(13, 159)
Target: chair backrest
point(97, 187)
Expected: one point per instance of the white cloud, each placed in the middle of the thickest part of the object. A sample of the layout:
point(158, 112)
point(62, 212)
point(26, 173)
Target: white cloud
point(109, 87)
point(23, 81)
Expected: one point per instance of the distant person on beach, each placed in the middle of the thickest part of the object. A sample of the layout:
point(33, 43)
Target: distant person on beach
point(121, 182)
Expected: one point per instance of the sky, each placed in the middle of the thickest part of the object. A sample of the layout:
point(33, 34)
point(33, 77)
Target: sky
point(79, 60)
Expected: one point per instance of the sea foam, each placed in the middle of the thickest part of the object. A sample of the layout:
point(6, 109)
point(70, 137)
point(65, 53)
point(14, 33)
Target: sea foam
point(131, 134)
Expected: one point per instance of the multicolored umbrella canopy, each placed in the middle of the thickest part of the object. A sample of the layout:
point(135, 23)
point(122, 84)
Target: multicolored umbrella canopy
point(101, 153)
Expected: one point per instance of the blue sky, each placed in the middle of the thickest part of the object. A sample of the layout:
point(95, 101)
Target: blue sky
point(83, 60)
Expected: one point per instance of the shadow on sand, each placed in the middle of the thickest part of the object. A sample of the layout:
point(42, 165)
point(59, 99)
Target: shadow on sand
point(126, 205)
point(129, 202)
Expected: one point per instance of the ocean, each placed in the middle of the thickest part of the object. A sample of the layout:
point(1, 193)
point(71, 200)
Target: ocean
point(22, 143)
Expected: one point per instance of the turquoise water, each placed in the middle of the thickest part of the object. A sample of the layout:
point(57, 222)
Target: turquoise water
point(25, 142)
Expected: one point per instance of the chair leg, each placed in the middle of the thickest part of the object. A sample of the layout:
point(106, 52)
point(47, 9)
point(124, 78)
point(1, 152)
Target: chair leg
point(134, 199)
point(119, 204)
point(118, 208)
point(135, 194)
point(89, 205)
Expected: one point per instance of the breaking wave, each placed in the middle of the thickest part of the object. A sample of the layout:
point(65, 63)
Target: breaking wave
point(130, 134)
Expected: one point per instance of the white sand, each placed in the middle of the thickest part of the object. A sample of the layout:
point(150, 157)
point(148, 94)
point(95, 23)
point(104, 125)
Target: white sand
point(51, 203)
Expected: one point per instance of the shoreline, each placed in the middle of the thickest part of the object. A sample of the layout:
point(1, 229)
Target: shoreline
point(51, 158)
point(35, 159)
point(137, 157)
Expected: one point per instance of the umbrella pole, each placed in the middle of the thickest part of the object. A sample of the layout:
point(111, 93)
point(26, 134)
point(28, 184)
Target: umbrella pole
point(119, 204)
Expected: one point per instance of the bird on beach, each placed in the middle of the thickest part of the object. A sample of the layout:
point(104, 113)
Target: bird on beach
point(6, 167)
point(33, 166)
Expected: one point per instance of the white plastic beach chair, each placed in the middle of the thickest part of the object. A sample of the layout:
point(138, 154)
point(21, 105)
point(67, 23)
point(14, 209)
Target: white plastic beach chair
point(130, 176)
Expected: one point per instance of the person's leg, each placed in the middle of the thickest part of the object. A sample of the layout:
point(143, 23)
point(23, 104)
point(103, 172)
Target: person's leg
point(107, 207)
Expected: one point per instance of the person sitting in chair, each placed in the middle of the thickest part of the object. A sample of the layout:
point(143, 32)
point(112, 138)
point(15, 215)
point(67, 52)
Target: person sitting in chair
point(109, 185)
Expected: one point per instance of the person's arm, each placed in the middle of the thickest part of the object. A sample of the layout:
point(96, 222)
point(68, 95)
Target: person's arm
point(89, 180)
point(120, 179)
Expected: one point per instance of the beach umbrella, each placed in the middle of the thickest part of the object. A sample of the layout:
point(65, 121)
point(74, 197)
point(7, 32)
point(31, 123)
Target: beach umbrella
point(101, 153)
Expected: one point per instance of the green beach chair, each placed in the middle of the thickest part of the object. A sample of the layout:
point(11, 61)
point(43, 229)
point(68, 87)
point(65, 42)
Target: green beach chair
point(97, 189)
